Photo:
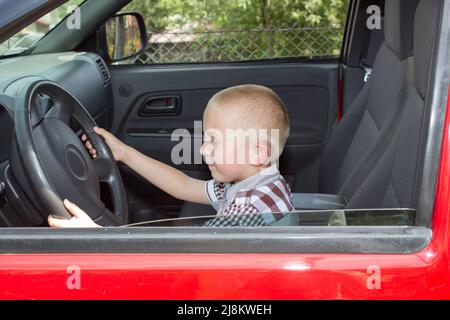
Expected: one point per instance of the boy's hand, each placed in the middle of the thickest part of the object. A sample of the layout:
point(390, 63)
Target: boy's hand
point(118, 148)
point(79, 220)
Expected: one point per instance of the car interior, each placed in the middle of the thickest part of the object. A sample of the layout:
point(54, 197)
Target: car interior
point(370, 159)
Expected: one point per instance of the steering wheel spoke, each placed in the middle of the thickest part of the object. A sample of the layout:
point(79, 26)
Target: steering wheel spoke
point(60, 111)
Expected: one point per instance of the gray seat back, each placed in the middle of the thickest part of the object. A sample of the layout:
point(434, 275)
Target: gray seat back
point(394, 179)
point(373, 114)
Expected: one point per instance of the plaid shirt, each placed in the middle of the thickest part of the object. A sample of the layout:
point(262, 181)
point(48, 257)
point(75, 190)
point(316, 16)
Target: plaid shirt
point(250, 202)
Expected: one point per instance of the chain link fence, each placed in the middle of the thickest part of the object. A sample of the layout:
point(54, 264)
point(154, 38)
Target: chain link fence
point(223, 46)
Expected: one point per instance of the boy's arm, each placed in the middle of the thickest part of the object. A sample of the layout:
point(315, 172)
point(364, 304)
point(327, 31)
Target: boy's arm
point(167, 178)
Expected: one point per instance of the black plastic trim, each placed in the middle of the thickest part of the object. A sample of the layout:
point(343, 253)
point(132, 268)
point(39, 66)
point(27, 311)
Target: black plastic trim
point(436, 107)
point(296, 60)
point(400, 240)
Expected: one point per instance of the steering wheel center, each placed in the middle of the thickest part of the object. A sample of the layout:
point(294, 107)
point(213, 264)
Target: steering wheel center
point(76, 163)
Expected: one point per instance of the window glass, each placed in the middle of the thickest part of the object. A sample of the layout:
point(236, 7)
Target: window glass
point(347, 217)
point(28, 36)
point(192, 31)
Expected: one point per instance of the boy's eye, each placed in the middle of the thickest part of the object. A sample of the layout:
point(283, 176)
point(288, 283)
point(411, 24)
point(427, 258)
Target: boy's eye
point(209, 139)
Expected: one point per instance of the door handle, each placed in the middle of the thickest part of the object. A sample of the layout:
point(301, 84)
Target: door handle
point(155, 106)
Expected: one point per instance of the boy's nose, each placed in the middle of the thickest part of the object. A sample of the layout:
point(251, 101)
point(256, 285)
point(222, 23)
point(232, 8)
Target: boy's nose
point(202, 149)
point(206, 149)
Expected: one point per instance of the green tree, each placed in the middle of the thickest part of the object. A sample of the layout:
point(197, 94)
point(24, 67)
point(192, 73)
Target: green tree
point(267, 16)
point(240, 14)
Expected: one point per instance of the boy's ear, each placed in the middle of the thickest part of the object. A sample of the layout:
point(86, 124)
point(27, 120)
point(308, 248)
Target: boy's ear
point(260, 155)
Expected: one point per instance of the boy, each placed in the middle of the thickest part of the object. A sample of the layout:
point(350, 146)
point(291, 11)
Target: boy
point(246, 187)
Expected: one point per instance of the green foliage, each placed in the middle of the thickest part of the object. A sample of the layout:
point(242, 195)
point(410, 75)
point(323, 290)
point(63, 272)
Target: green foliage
point(275, 28)
point(239, 14)
point(63, 10)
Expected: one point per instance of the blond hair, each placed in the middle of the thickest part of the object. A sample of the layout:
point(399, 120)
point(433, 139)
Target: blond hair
point(258, 107)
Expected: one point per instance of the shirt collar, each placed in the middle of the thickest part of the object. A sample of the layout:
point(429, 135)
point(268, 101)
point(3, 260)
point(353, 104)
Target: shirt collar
point(262, 178)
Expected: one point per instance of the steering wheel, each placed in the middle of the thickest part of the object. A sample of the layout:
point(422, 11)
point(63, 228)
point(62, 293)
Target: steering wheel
point(55, 160)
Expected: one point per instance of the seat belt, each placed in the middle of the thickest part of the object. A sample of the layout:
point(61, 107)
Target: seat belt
point(367, 69)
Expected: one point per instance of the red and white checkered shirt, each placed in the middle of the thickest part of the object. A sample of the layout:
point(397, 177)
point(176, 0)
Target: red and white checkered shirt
point(250, 202)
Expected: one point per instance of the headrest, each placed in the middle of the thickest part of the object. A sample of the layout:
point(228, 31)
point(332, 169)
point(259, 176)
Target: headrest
point(399, 26)
point(425, 28)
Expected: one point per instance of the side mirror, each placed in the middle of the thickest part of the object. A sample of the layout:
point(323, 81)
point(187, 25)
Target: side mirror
point(126, 36)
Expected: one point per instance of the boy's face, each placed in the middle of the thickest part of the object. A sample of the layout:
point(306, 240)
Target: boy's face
point(227, 150)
